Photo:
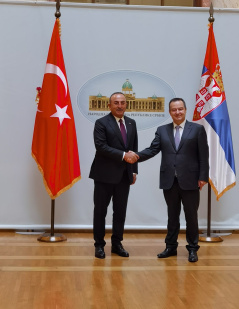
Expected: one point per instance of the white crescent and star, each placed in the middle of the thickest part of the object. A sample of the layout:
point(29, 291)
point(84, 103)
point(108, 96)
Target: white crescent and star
point(60, 112)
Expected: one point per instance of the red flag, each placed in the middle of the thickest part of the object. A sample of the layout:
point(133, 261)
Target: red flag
point(54, 144)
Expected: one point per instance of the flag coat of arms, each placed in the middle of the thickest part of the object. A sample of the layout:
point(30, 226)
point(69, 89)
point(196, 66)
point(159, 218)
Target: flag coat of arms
point(211, 111)
point(54, 144)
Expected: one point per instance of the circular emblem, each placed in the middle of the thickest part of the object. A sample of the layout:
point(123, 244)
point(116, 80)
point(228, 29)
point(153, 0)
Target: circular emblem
point(147, 97)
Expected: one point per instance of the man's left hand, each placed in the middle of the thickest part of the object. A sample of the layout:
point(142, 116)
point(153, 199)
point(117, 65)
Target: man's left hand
point(134, 179)
point(201, 184)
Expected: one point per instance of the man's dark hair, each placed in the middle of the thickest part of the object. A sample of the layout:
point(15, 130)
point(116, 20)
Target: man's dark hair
point(117, 92)
point(177, 99)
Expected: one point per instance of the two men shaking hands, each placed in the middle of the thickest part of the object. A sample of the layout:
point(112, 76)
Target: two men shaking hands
point(184, 171)
point(131, 157)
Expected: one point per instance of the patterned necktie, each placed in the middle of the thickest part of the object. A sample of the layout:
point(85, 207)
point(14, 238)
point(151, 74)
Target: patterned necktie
point(123, 131)
point(177, 137)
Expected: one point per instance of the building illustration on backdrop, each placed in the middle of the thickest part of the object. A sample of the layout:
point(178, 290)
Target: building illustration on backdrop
point(152, 104)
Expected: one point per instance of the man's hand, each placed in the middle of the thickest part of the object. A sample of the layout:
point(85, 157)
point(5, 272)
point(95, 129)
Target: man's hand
point(131, 157)
point(134, 179)
point(201, 184)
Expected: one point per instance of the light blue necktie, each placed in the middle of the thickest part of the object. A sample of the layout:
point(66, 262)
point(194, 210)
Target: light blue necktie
point(177, 137)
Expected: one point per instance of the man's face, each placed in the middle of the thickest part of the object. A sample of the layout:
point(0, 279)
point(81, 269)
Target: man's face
point(118, 105)
point(177, 111)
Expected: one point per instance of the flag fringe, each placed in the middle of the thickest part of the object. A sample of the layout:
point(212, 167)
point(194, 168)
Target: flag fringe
point(46, 185)
point(59, 26)
point(218, 196)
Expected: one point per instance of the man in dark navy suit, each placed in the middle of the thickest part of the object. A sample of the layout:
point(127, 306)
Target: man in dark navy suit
point(114, 135)
point(184, 171)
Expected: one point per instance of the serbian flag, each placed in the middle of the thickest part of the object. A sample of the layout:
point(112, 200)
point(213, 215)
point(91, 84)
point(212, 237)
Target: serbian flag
point(211, 111)
point(54, 144)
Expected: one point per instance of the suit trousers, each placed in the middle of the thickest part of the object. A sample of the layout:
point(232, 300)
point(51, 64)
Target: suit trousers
point(103, 192)
point(190, 200)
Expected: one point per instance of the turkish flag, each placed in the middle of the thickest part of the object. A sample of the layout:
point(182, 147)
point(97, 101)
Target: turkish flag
point(54, 144)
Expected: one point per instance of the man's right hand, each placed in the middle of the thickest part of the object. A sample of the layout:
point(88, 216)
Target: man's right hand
point(131, 157)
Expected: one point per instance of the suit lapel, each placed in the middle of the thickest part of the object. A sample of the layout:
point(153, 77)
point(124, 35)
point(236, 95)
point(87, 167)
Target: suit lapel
point(186, 131)
point(128, 128)
point(169, 129)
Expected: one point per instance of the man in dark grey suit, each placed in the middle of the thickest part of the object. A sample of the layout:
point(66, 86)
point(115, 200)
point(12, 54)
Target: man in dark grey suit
point(184, 171)
point(114, 135)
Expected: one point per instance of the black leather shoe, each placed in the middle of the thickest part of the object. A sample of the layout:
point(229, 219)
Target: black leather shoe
point(119, 249)
point(192, 257)
point(166, 253)
point(99, 252)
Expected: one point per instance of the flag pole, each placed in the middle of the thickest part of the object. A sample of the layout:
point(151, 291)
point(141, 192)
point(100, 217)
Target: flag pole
point(53, 237)
point(209, 237)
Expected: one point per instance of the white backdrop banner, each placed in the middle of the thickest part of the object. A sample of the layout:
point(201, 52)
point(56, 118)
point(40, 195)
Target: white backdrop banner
point(154, 53)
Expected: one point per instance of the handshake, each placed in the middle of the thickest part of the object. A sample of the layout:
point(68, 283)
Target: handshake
point(131, 157)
